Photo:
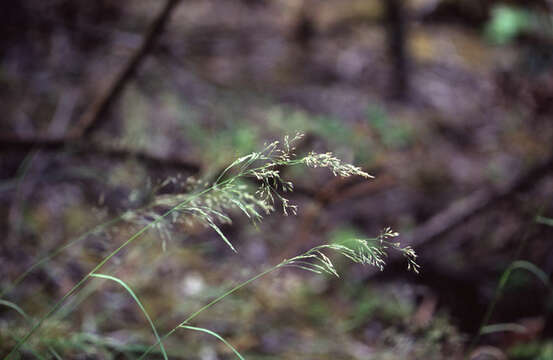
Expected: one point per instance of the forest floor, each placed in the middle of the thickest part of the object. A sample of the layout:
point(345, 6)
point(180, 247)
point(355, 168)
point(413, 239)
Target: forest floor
point(226, 77)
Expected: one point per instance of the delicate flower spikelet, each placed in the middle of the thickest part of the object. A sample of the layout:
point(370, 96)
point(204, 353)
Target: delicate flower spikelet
point(338, 168)
point(361, 251)
point(211, 204)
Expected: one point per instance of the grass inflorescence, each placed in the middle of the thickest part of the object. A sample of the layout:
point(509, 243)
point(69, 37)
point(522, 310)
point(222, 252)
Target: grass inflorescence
point(252, 185)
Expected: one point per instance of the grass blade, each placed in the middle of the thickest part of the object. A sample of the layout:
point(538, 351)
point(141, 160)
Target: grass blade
point(129, 290)
point(216, 335)
point(528, 266)
point(28, 319)
point(26, 347)
point(16, 308)
point(544, 220)
point(518, 264)
point(511, 327)
point(222, 235)
point(57, 251)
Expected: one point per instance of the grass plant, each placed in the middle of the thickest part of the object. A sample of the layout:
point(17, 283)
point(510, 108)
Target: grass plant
point(486, 327)
point(252, 185)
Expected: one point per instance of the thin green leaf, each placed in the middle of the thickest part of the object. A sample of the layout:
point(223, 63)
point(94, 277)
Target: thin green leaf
point(32, 351)
point(28, 319)
point(503, 327)
point(207, 218)
point(217, 336)
point(241, 207)
point(236, 162)
point(55, 353)
point(129, 290)
point(302, 267)
point(544, 220)
point(222, 217)
point(218, 231)
point(15, 307)
point(57, 251)
point(528, 266)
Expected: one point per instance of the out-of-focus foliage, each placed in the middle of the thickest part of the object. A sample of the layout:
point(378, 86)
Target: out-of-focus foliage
point(507, 22)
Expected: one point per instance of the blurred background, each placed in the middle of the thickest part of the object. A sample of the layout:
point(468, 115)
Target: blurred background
point(448, 103)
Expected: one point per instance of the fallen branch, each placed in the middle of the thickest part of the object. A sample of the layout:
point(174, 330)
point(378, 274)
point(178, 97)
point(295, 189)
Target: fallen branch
point(82, 147)
point(94, 116)
point(464, 209)
point(454, 215)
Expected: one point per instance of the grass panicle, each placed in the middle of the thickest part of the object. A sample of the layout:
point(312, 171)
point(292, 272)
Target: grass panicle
point(252, 185)
point(371, 252)
point(363, 251)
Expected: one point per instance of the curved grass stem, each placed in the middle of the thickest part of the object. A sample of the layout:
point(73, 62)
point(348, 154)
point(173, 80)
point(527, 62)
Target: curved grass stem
point(76, 287)
point(268, 175)
point(212, 303)
point(56, 252)
point(152, 224)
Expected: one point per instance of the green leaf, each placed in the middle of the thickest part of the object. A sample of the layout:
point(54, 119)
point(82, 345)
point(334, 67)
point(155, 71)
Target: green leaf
point(511, 327)
point(218, 231)
point(506, 23)
point(528, 266)
point(216, 335)
point(544, 220)
point(28, 319)
point(15, 307)
point(129, 290)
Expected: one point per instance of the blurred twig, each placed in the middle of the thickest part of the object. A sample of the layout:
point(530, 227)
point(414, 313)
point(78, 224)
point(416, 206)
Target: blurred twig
point(462, 210)
point(83, 147)
point(438, 225)
point(396, 37)
point(94, 116)
point(16, 209)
